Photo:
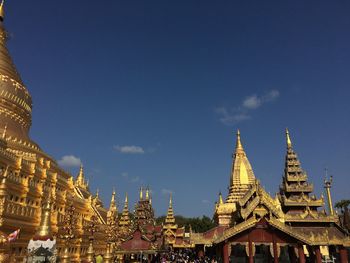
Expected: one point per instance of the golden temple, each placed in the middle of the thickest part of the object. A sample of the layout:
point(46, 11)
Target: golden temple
point(48, 204)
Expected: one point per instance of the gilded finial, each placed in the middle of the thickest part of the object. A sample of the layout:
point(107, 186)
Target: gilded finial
point(80, 177)
point(171, 200)
point(289, 142)
point(147, 194)
point(2, 11)
point(238, 142)
point(221, 201)
point(97, 193)
point(113, 196)
point(44, 230)
point(141, 193)
point(126, 199)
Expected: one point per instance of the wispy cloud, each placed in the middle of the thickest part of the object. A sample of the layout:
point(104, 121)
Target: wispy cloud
point(129, 149)
point(253, 102)
point(204, 201)
point(69, 161)
point(167, 191)
point(231, 116)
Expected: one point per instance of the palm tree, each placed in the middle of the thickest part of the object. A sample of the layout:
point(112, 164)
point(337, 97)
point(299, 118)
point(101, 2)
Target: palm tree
point(342, 205)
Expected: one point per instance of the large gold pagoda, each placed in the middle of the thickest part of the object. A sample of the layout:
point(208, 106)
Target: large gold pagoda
point(28, 174)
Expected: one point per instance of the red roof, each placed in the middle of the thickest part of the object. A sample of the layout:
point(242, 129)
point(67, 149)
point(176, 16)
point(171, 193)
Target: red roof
point(137, 242)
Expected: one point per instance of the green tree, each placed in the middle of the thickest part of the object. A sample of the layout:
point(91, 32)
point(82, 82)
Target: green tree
point(342, 205)
point(198, 224)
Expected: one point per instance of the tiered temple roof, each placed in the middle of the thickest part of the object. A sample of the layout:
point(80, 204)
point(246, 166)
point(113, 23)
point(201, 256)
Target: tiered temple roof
point(295, 191)
point(125, 216)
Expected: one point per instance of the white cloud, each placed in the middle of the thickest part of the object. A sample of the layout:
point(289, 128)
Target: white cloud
point(230, 117)
point(129, 149)
point(205, 201)
point(271, 95)
point(167, 191)
point(125, 175)
point(252, 102)
point(69, 161)
point(243, 111)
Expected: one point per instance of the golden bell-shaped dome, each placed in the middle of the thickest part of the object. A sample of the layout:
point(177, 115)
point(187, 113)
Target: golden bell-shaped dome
point(15, 100)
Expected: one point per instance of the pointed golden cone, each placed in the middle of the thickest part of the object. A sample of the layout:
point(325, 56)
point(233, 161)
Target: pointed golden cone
point(170, 219)
point(44, 231)
point(147, 194)
point(125, 219)
point(80, 181)
point(113, 205)
point(289, 142)
point(126, 199)
point(141, 193)
point(242, 175)
point(239, 146)
point(221, 201)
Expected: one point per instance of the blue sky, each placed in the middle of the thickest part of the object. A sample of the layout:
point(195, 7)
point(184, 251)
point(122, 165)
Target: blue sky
point(152, 92)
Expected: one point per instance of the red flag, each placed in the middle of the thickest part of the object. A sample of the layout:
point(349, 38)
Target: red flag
point(13, 236)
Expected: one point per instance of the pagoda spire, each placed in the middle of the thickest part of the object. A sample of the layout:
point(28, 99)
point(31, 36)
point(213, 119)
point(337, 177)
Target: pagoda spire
point(295, 185)
point(44, 231)
point(242, 175)
point(288, 140)
point(112, 214)
point(239, 147)
point(113, 205)
point(141, 193)
point(221, 201)
point(147, 194)
point(80, 181)
point(170, 219)
point(125, 219)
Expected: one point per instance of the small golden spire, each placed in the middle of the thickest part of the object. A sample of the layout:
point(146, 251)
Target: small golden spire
point(221, 201)
point(147, 194)
point(239, 146)
point(289, 142)
point(170, 219)
point(141, 193)
point(113, 197)
point(2, 11)
point(80, 178)
point(126, 199)
point(113, 205)
point(97, 193)
point(171, 200)
point(44, 230)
